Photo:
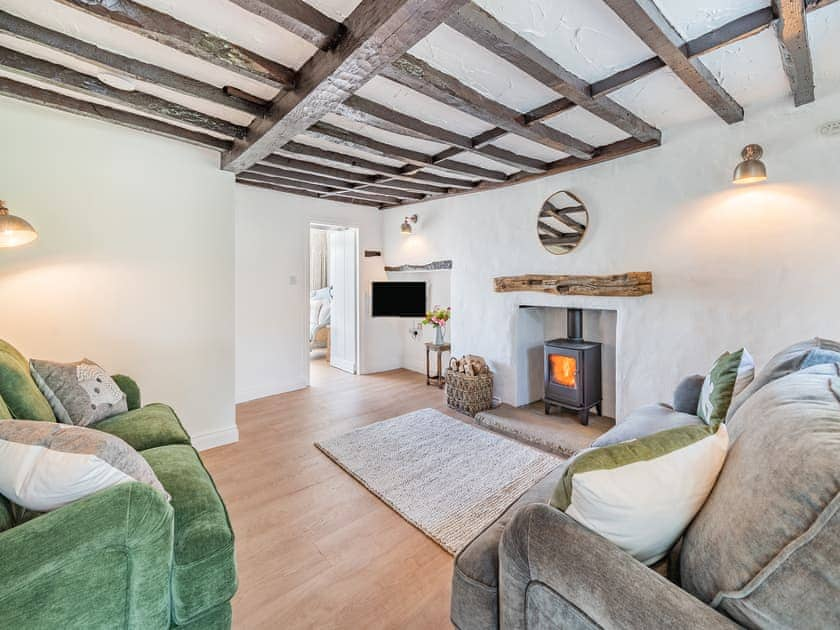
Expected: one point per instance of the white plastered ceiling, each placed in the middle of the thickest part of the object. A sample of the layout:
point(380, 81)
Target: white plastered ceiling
point(587, 38)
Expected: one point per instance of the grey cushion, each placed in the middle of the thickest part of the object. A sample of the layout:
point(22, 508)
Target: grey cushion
point(475, 580)
point(765, 547)
point(646, 421)
point(793, 358)
point(687, 394)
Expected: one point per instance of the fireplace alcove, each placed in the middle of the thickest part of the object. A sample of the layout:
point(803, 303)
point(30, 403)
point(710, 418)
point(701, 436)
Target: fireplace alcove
point(585, 347)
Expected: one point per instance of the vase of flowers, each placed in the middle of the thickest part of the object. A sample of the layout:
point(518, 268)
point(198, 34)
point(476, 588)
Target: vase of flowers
point(438, 317)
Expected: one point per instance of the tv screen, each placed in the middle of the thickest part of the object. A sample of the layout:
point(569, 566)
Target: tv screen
point(399, 299)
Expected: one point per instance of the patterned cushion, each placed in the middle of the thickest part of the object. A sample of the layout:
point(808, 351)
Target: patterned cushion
point(44, 466)
point(765, 548)
point(729, 376)
point(79, 393)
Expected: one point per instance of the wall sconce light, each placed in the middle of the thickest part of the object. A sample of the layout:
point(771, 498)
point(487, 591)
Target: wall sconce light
point(751, 169)
point(14, 231)
point(405, 228)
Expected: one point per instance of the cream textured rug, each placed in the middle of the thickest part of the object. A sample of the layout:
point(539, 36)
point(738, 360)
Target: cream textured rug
point(445, 477)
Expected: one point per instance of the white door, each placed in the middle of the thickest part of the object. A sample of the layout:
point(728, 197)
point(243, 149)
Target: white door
point(343, 259)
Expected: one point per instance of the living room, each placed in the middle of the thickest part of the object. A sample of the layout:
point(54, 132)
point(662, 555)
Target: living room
point(419, 314)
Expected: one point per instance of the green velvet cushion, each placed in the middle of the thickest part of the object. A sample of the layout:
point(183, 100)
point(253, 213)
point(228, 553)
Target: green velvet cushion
point(129, 388)
point(5, 414)
point(204, 570)
point(218, 618)
point(101, 562)
point(148, 427)
point(19, 391)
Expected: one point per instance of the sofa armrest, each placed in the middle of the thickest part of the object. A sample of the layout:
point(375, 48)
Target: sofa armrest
point(687, 394)
point(102, 561)
point(130, 388)
point(553, 568)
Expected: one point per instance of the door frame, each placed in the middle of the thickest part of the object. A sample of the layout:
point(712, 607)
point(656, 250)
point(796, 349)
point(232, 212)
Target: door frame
point(349, 225)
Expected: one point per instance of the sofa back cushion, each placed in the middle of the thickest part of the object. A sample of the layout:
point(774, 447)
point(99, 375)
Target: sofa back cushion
point(765, 549)
point(19, 391)
point(792, 359)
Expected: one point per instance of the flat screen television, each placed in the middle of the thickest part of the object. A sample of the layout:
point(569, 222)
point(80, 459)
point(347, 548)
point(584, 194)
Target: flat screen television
point(398, 299)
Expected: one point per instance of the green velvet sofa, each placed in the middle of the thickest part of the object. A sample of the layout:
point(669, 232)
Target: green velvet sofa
point(123, 557)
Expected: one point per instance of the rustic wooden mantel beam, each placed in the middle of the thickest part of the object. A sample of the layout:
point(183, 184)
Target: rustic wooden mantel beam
point(166, 30)
point(378, 32)
point(792, 32)
point(633, 284)
point(645, 19)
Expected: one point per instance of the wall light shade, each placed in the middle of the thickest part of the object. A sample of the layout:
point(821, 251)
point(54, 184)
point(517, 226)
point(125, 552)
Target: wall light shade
point(751, 169)
point(405, 228)
point(14, 231)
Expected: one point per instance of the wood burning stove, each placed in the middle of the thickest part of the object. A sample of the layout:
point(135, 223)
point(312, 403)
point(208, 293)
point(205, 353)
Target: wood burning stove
point(573, 370)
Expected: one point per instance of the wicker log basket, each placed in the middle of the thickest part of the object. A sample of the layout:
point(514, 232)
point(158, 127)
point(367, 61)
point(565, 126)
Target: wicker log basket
point(469, 385)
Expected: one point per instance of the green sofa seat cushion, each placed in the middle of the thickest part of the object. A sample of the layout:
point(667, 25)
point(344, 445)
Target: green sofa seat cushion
point(204, 568)
point(130, 388)
point(19, 391)
point(148, 427)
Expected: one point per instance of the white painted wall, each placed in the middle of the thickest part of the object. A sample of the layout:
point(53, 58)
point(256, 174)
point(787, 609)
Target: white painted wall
point(438, 294)
point(272, 314)
point(754, 266)
point(134, 264)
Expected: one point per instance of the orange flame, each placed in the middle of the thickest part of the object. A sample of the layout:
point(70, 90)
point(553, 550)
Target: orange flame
point(563, 369)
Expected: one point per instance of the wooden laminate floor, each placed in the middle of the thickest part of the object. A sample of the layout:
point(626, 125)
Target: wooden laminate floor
point(314, 548)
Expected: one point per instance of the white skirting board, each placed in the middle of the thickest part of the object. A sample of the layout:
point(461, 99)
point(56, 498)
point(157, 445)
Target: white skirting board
point(205, 441)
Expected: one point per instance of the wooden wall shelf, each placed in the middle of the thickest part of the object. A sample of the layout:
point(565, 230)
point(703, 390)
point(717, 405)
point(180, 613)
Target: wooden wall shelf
point(633, 284)
point(437, 265)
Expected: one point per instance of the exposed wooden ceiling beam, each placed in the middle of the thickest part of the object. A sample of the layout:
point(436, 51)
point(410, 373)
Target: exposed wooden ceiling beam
point(376, 115)
point(355, 194)
point(124, 66)
point(485, 30)
point(357, 141)
point(38, 96)
point(602, 154)
point(166, 30)
point(418, 75)
point(304, 193)
point(283, 181)
point(336, 184)
point(378, 32)
point(792, 32)
point(299, 17)
point(406, 182)
point(60, 76)
point(645, 19)
point(296, 148)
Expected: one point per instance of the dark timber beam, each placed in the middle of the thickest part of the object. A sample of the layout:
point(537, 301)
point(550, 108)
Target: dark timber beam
point(60, 76)
point(378, 32)
point(376, 115)
point(304, 193)
point(305, 150)
point(645, 19)
point(602, 154)
point(336, 184)
point(792, 32)
point(485, 30)
point(21, 29)
point(300, 18)
point(353, 140)
point(38, 96)
point(416, 74)
point(166, 30)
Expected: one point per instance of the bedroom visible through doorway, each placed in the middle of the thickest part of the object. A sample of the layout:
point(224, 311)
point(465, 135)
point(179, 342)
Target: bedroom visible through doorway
point(333, 297)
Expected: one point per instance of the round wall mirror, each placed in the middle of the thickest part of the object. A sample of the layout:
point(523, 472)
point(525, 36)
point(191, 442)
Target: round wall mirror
point(562, 222)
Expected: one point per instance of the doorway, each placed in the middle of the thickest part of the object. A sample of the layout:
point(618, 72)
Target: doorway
point(333, 298)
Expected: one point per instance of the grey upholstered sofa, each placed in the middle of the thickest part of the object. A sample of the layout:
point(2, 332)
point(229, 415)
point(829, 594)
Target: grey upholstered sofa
point(764, 551)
